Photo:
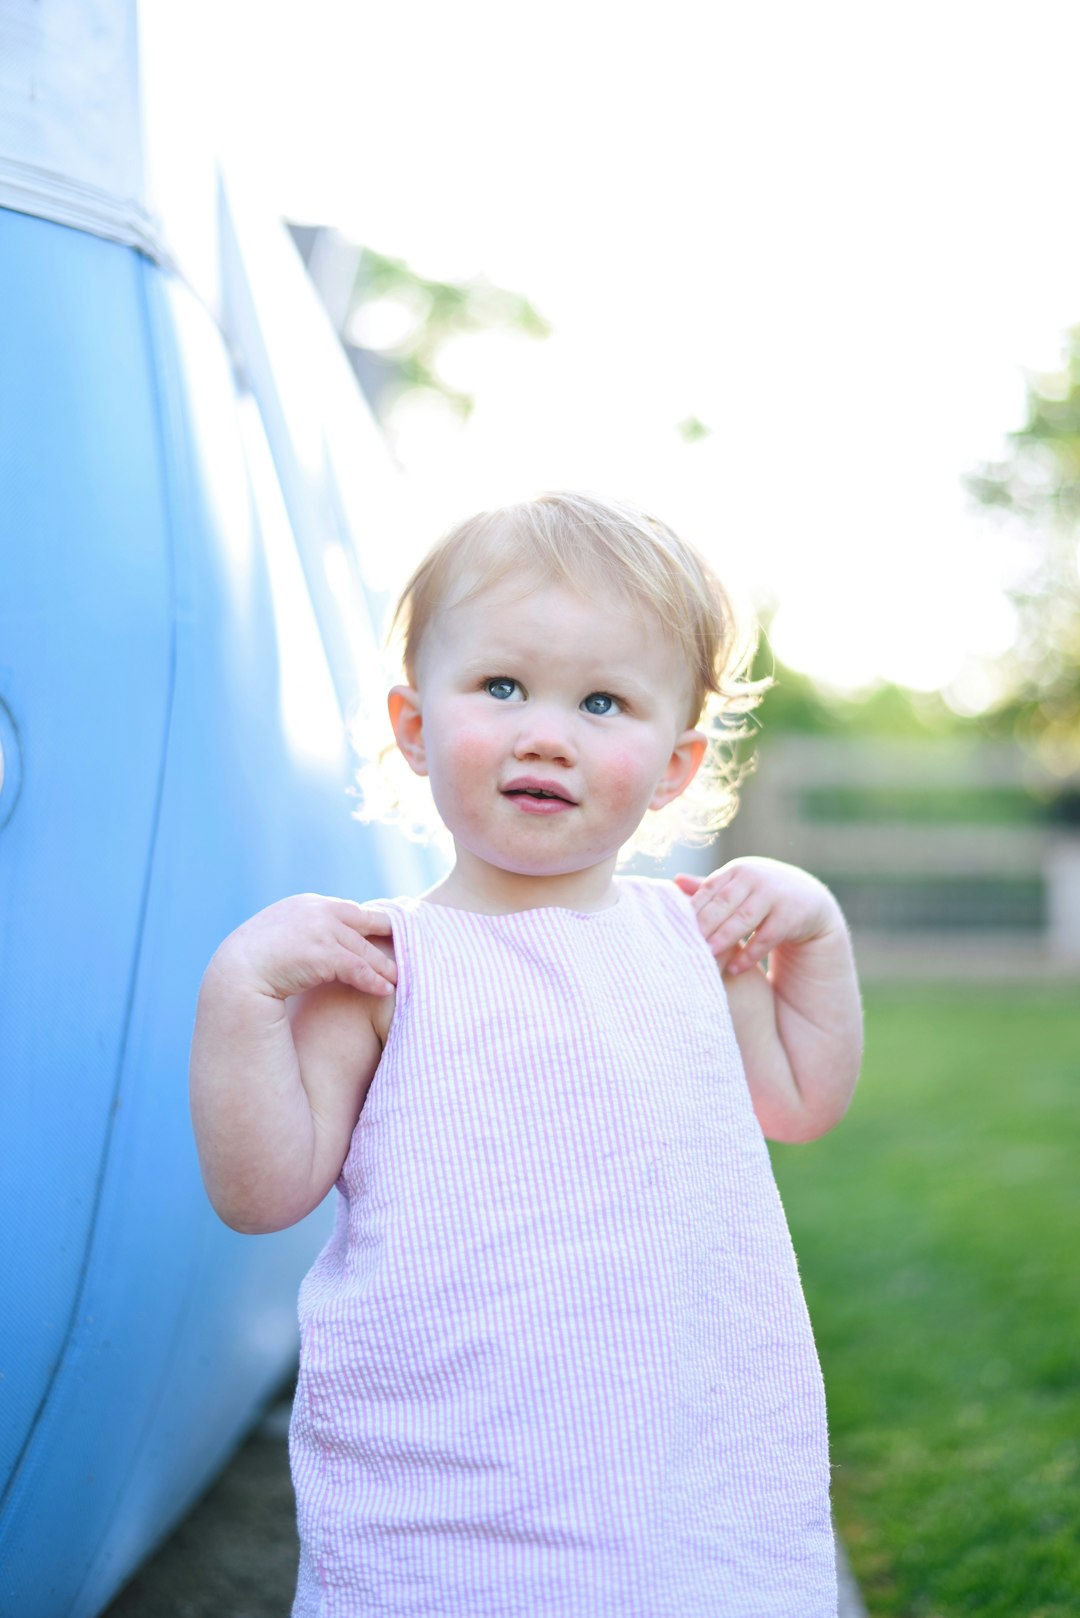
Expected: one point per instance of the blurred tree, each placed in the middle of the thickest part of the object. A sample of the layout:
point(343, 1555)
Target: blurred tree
point(399, 320)
point(796, 702)
point(692, 429)
point(1036, 487)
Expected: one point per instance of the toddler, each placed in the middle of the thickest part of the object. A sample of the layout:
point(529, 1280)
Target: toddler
point(555, 1357)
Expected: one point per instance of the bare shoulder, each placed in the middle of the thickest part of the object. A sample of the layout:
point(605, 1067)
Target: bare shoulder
point(752, 1004)
point(333, 1013)
point(746, 988)
point(769, 1078)
point(339, 1033)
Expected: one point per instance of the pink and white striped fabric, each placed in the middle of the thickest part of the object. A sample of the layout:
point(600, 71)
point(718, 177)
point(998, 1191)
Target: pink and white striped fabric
point(556, 1359)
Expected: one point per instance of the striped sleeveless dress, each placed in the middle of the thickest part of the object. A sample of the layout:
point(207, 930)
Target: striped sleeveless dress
point(555, 1357)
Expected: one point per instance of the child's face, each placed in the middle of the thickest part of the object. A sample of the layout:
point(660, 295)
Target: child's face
point(548, 725)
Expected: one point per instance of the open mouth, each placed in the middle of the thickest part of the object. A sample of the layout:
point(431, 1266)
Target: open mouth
point(538, 793)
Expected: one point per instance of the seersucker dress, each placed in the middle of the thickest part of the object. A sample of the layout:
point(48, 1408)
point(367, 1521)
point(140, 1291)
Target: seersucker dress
point(555, 1357)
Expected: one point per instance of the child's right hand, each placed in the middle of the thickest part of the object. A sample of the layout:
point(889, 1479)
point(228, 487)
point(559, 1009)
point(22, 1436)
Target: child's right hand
point(276, 1090)
point(299, 943)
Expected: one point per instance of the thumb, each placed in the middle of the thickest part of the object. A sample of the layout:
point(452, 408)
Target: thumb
point(688, 884)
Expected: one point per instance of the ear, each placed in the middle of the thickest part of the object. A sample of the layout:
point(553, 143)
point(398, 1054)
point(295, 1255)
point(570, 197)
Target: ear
point(408, 722)
point(682, 766)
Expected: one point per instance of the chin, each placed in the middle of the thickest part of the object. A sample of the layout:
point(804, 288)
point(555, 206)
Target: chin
point(540, 867)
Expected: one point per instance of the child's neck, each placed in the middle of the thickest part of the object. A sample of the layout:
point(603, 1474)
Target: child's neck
point(475, 885)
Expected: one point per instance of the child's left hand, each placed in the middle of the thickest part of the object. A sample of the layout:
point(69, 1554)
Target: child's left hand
point(752, 905)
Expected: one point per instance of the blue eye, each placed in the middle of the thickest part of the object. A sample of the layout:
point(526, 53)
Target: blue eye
point(600, 702)
point(502, 690)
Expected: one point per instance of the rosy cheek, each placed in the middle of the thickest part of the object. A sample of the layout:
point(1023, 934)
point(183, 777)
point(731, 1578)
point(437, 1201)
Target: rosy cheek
point(465, 760)
point(460, 771)
point(472, 747)
point(626, 780)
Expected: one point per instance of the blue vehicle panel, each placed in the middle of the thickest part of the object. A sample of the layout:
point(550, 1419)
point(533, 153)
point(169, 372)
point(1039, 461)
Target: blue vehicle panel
point(176, 744)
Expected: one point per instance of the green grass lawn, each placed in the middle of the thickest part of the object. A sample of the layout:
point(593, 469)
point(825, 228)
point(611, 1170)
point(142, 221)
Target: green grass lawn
point(938, 1232)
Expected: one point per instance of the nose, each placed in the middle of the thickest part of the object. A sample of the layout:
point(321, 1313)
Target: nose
point(545, 734)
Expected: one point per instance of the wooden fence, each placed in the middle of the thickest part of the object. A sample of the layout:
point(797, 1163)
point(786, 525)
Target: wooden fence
point(950, 859)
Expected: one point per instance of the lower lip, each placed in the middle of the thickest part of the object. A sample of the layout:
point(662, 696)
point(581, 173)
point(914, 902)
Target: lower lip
point(539, 806)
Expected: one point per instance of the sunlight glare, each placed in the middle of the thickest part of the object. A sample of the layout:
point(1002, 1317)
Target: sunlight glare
point(307, 697)
point(852, 320)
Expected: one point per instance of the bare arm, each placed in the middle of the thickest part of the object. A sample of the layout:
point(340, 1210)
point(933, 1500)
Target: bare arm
point(800, 1027)
point(276, 1089)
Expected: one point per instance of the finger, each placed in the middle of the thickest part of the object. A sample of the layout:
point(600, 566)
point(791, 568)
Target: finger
point(724, 928)
point(721, 901)
point(727, 890)
point(725, 958)
point(740, 960)
point(361, 920)
point(364, 974)
point(754, 949)
point(377, 959)
point(688, 884)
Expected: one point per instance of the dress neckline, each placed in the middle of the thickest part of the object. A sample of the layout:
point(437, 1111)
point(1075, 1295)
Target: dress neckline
point(529, 910)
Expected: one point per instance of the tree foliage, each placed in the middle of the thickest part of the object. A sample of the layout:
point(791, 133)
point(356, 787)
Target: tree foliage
point(797, 703)
point(1035, 486)
point(434, 311)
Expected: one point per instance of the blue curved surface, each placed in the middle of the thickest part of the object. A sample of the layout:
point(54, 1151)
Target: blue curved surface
point(164, 793)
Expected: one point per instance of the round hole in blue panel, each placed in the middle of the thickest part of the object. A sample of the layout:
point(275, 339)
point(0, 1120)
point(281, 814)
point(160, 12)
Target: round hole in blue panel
point(10, 765)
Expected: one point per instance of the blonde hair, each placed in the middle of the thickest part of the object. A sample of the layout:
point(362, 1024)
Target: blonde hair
point(597, 548)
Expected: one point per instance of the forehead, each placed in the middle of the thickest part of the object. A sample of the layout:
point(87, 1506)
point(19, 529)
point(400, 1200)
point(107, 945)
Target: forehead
point(555, 625)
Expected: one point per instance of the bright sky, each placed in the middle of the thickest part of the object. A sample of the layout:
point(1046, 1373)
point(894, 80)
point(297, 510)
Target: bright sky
point(836, 233)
